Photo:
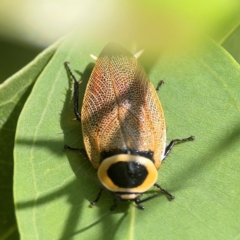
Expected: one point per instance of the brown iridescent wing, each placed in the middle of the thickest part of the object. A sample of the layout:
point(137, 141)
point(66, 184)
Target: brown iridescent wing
point(121, 109)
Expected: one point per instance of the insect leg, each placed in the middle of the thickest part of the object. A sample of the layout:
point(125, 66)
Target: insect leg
point(75, 92)
point(138, 201)
point(81, 150)
point(117, 199)
point(170, 196)
point(93, 203)
point(159, 85)
point(174, 142)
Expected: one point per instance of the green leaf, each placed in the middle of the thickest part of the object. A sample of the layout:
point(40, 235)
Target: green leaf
point(13, 94)
point(53, 187)
point(231, 43)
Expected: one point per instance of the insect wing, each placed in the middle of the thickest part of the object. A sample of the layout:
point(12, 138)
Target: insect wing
point(121, 110)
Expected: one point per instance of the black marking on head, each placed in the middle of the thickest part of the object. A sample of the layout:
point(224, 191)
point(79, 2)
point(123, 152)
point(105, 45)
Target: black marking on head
point(114, 49)
point(105, 154)
point(146, 154)
point(127, 174)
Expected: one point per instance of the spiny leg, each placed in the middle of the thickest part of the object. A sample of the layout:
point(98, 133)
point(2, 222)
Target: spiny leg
point(75, 93)
point(169, 195)
point(71, 148)
point(174, 142)
point(117, 199)
point(93, 203)
point(159, 85)
point(138, 201)
point(81, 150)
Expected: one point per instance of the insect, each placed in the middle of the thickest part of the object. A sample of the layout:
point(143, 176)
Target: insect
point(123, 125)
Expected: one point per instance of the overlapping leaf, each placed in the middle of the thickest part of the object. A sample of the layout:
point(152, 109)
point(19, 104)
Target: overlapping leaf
point(53, 187)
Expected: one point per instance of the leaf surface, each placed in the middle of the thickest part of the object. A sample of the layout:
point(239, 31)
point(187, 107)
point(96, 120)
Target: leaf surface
point(53, 187)
point(13, 94)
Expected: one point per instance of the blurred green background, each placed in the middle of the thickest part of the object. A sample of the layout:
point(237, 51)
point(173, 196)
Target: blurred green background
point(27, 27)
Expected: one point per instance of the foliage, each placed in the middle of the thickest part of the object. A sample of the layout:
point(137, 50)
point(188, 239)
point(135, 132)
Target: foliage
point(200, 97)
point(53, 187)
